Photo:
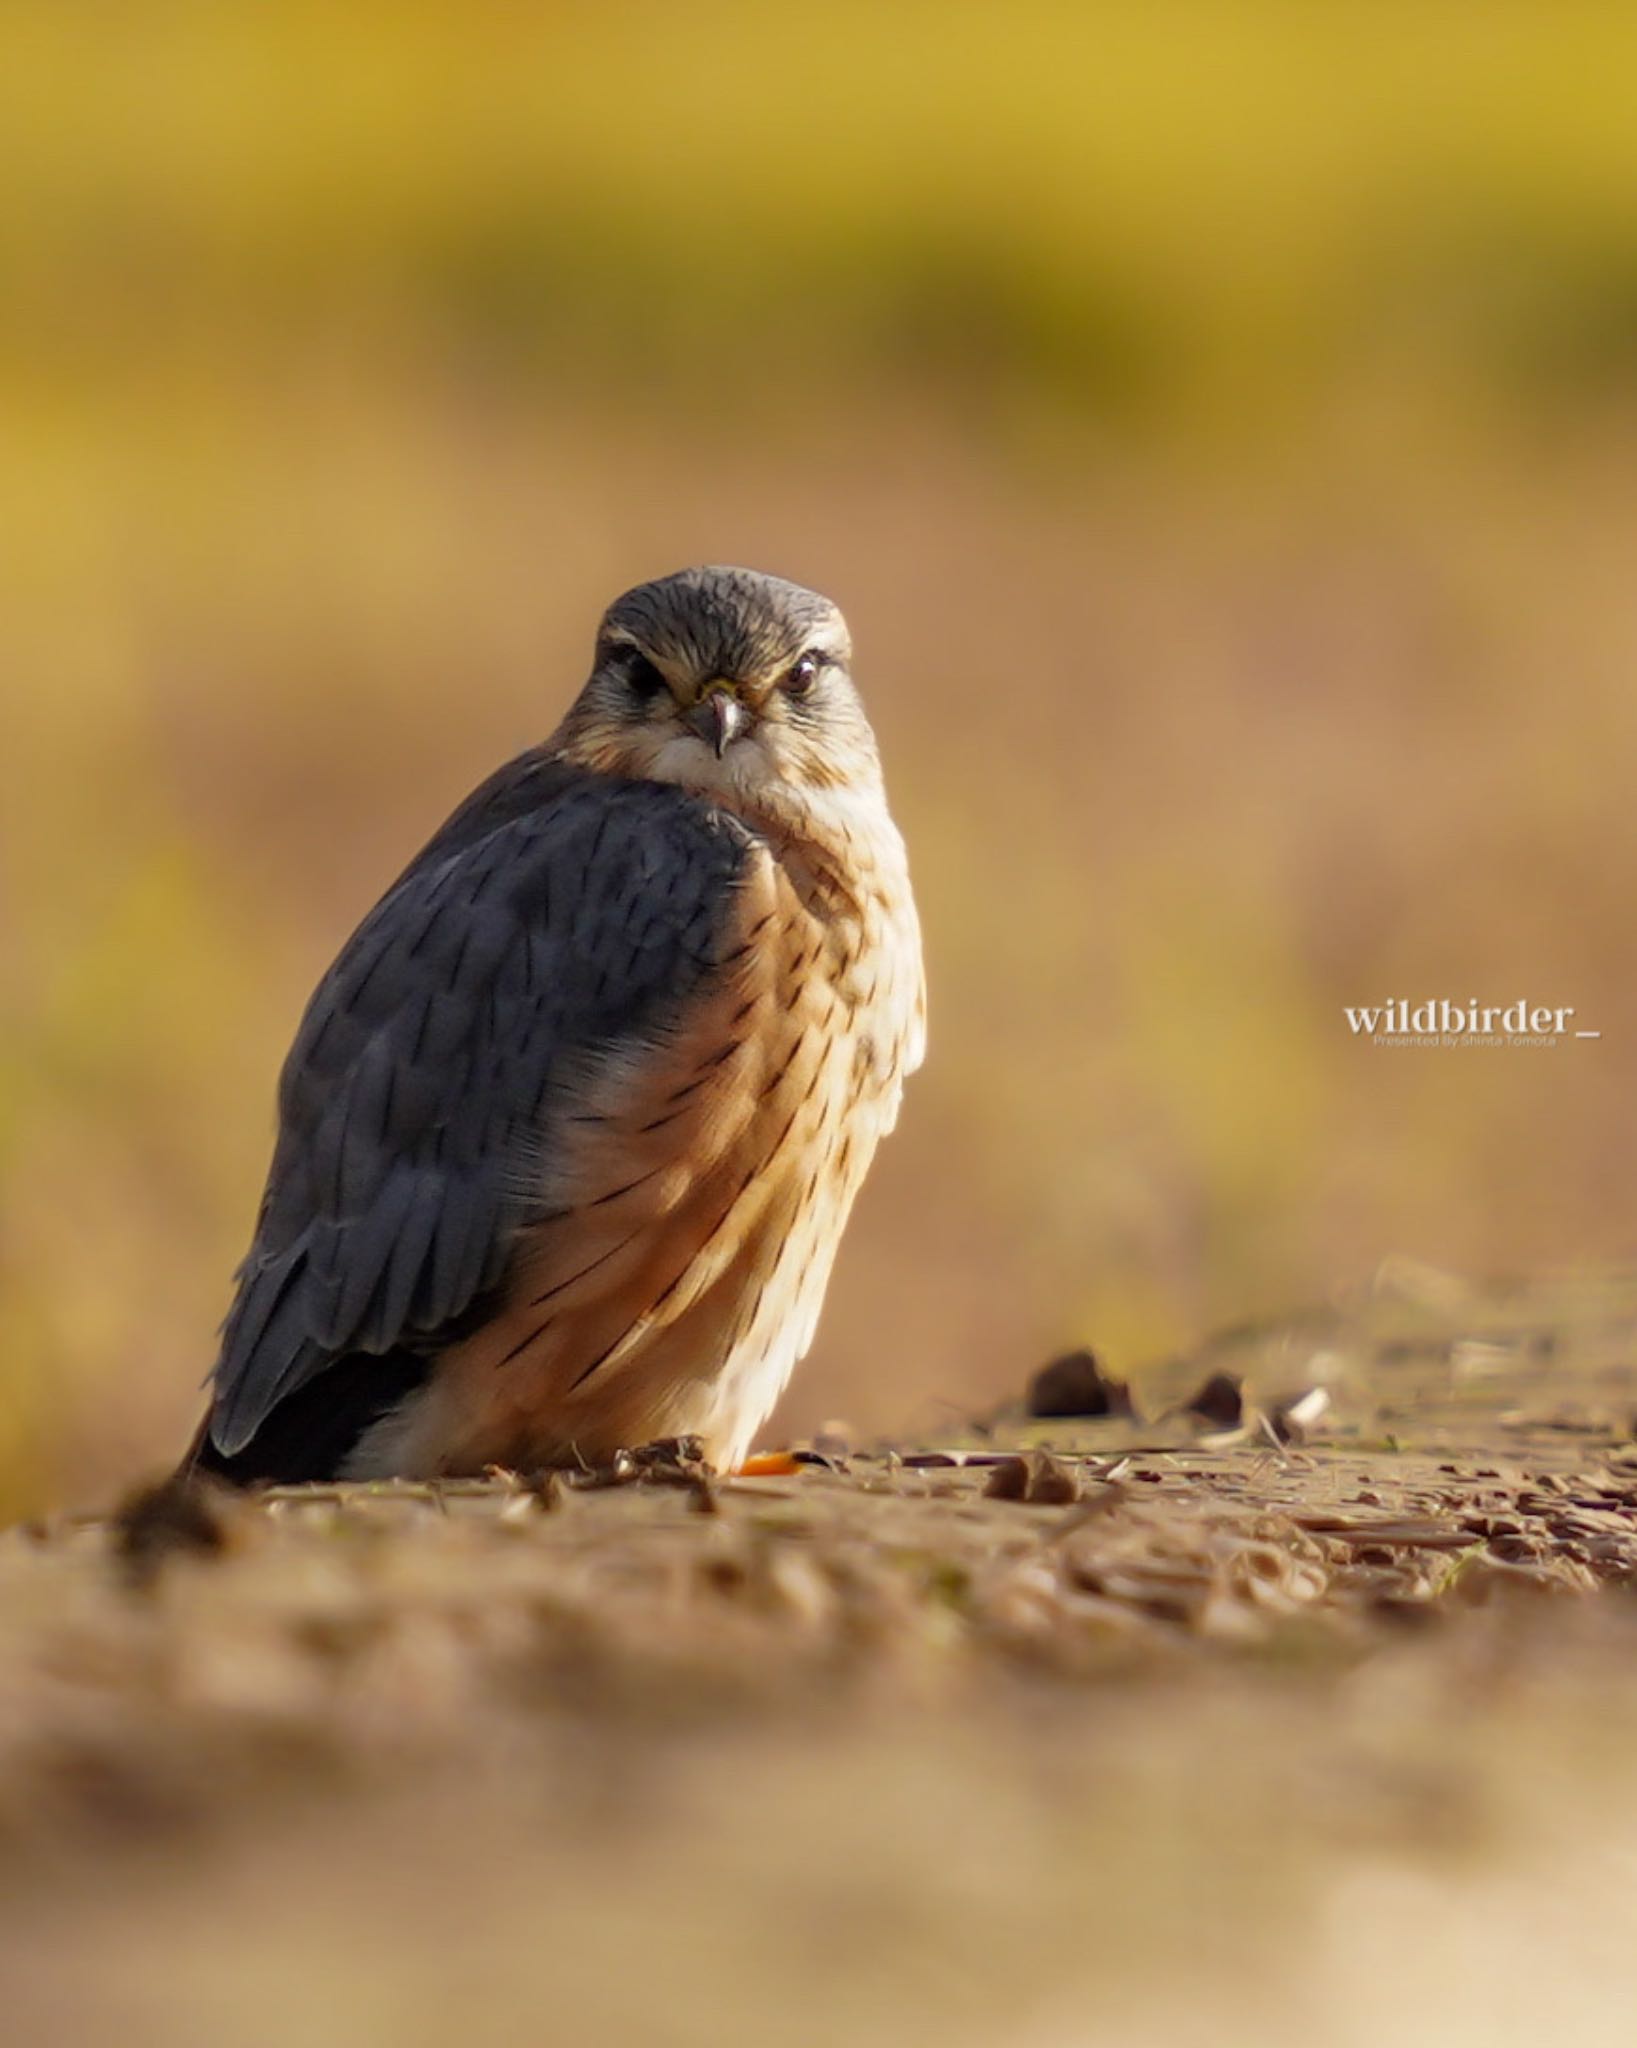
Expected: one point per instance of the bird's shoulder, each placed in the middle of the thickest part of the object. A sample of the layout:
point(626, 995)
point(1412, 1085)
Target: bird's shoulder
point(566, 890)
point(545, 793)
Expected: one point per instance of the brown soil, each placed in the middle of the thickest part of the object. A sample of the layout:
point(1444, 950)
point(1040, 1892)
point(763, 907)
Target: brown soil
point(1138, 1730)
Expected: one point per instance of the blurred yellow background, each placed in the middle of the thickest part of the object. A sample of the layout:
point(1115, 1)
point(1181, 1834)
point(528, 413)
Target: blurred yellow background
point(1217, 421)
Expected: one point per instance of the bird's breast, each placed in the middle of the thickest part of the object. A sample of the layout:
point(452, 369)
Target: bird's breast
point(850, 924)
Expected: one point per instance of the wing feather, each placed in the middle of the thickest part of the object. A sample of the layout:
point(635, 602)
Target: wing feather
point(557, 917)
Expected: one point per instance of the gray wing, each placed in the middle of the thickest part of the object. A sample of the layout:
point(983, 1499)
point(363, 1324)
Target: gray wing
point(556, 913)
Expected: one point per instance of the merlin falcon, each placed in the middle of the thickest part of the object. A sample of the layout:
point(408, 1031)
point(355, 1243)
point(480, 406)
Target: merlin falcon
point(571, 1129)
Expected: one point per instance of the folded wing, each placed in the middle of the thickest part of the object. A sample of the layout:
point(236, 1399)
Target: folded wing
point(557, 919)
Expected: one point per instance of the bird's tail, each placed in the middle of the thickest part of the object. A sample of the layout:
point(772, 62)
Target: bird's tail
point(312, 1432)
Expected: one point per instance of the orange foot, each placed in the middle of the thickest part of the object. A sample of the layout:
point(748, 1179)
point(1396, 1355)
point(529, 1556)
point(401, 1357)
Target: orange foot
point(768, 1465)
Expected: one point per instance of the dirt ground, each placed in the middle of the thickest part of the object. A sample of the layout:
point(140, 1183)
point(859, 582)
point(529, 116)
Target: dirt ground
point(1172, 1727)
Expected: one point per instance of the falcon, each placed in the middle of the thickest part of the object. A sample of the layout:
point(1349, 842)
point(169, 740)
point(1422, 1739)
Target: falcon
point(571, 1129)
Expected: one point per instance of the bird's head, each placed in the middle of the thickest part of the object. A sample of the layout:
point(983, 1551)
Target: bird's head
point(728, 682)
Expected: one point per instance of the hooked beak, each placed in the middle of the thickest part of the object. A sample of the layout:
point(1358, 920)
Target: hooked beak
point(718, 718)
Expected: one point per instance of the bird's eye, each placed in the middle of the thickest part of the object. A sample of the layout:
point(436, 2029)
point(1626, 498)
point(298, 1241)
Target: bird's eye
point(642, 677)
point(803, 674)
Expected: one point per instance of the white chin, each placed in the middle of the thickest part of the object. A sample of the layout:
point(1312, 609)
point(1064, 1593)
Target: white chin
point(743, 770)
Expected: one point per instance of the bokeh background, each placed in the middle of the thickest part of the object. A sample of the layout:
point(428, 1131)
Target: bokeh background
point(1217, 420)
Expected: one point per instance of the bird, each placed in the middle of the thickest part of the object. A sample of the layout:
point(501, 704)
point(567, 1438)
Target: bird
point(570, 1130)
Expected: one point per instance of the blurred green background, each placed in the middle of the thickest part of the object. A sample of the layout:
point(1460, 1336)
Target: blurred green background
point(1217, 420)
